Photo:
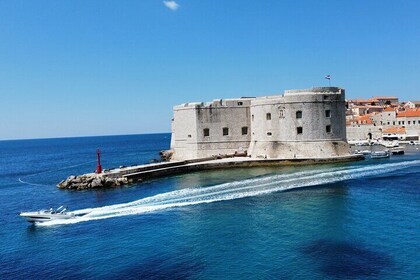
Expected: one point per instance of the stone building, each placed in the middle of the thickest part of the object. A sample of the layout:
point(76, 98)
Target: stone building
point(205, 129)
point(386, 118)
point(410, 120)
point(306, 123)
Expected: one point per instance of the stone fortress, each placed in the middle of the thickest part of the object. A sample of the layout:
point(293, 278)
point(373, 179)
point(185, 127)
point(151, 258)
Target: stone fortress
point(308, 123)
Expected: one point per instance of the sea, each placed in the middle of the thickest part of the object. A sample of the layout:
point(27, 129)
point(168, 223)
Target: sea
point(358, 220)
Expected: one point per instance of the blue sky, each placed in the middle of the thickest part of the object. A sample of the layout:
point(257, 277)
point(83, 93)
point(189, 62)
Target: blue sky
point(100, 67)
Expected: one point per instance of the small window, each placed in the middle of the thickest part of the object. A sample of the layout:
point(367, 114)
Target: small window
point(281, 113)
point(268, 116)
point(326, 97)
point(328, 128)
point(244, 130)
point(240, 103)
point(252, 117)
point(225, 131)
point(189, 135)
point(269, 133)
point(408, 122)
point(299, 130)
point(298, 114)
point(206, 132)
point(388, 123)
point(328, 113)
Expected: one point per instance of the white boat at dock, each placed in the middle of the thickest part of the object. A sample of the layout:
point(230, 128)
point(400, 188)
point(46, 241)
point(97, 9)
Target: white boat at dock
point(47, 215)
point(397, 151)
point(364, 152)
point(390, 144)
point(379, 154)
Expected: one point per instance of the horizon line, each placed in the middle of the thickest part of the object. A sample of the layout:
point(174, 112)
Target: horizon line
point(82, 136)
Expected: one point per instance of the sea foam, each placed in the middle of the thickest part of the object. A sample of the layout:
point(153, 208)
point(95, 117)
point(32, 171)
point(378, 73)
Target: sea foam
point(233, 190)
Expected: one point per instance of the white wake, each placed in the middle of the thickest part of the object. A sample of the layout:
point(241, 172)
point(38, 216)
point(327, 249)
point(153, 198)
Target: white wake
point(233, 190)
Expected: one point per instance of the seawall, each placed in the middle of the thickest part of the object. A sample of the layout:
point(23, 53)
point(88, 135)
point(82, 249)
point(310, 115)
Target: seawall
point(134, 174)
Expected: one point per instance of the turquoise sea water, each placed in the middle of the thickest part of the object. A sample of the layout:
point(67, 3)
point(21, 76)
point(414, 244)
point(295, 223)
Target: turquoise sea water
point(343, 221)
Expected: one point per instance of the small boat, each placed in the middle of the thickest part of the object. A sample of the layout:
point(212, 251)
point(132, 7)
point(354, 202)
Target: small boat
point(47, 215)
point(379, 154)
point(390, 144)
point(397, 151)
point(364, 152)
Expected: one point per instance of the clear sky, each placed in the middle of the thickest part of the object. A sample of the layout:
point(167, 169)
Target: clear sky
point(101, 67)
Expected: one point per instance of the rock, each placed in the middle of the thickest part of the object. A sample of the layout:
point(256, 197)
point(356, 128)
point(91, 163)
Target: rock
point(96, 183)
point(77, 180)
point(91, 181)
point(166, 155)
point(122, 180)
point(109, 182)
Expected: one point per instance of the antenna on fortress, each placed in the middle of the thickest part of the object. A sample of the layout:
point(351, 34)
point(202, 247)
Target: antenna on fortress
point(328, 77)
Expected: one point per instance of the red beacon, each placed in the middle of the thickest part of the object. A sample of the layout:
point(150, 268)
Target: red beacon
point(98, 166)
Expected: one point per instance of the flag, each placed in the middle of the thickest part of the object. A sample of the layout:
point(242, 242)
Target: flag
point(328, 77)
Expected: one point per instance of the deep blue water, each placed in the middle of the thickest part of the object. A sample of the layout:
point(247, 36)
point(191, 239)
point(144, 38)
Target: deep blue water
point(344, 221)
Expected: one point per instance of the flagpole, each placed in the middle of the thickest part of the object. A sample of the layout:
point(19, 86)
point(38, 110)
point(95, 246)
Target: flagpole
point(328, 77)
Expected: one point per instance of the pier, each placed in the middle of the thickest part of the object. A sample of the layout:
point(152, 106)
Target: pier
point(139, 173)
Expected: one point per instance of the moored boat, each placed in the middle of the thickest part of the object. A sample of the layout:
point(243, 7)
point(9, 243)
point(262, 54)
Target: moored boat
point(397, 151)
point(364, 152)
point(390, 144)
point(379, 154)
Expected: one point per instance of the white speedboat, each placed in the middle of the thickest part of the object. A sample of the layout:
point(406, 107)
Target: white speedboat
point(379, 154)
point(47, 215)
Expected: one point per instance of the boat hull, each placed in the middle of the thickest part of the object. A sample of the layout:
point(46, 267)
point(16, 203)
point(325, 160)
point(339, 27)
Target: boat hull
point(39, 217)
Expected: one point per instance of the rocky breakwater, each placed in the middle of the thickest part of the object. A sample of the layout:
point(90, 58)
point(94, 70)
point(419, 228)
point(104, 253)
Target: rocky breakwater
point(91, 181)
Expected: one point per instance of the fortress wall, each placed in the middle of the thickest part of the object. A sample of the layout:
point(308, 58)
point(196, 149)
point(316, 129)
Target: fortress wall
point(231, 115)
point(184, 132)
point(302, 149)
point(298, 122)
point(361, 132)
point(301, 123)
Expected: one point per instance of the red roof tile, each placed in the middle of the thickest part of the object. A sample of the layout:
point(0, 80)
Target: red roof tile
point(409, 113)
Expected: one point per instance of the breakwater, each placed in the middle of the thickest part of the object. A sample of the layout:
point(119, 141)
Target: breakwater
point(134, 174)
